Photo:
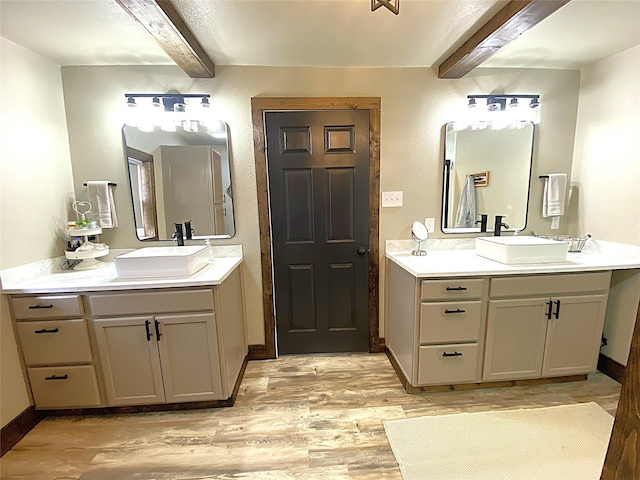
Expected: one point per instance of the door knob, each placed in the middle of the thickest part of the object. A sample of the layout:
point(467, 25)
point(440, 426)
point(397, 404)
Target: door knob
point(362, 251)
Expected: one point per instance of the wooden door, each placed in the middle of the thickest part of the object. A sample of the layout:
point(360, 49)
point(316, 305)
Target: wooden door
point(318, 164)
point(516, 331)
point(573, 338)
point(130, 362)
point(189, 357)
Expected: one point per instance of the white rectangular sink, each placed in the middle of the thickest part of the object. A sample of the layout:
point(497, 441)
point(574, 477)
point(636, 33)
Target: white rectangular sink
point(159, 262)
point(522, 249)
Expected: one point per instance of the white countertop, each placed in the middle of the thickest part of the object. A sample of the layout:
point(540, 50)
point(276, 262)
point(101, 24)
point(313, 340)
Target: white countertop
point(464, 262)
point(47, 277)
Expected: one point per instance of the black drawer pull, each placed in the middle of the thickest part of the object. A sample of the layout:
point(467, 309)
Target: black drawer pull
point(456, 288)
point(158, 334)
point(33, 307)
point(454, 354)
point(56, 377)
point(44, 330)
point(146, 326)
point(557, 302)
point(457, 310)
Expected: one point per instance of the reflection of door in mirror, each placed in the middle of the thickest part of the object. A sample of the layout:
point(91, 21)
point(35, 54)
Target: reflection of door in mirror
point(189, 176)
point(143, 193)
point(490, 167)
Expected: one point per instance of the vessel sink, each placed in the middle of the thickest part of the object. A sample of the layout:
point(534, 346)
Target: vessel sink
point(522, 249)
point(159, 262)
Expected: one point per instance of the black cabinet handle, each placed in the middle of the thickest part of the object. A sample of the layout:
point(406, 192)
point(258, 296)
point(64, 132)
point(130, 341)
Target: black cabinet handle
point(557, 302)
point(456, 288)
point(549, 309)
point(146, 327)
point(362, 251)
point(454, 354)
point(457, 310)
point(44, 330)
point(56, 377)
point(158, 334)
point(32, 307)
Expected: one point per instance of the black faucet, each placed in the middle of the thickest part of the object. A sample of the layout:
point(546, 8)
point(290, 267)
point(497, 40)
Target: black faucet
point(483, 222)
point(188, 231)
point(498, 225)
point(177, 235)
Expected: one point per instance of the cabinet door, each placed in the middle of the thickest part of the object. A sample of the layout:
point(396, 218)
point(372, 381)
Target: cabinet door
point(573, 339)
point(189, 356)
point(516, 331)
point(130, 361)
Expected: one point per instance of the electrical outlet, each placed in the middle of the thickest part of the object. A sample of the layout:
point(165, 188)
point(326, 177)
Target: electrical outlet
point(391, 199)
point(430, 223)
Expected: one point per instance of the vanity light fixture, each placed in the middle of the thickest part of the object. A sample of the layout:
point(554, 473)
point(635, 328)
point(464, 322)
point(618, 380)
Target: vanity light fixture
point(168, 111)
point(500, 111)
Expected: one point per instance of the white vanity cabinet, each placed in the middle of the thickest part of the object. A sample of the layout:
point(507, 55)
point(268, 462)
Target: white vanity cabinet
point(54, 340)
point(462, 330)
point(545, 325)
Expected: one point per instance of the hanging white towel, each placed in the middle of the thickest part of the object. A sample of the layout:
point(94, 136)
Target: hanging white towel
point(555, 188)
point(101, 198)
point(466, 214)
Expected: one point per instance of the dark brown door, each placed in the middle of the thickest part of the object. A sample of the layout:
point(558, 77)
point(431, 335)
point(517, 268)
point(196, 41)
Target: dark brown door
point(319, 200)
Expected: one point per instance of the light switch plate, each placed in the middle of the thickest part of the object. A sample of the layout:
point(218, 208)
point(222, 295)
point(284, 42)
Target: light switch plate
point(430, 223)
point(391, 199)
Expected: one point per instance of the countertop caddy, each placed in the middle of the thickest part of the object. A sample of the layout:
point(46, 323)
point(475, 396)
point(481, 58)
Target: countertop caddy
point(457, 320)
point(90, 339)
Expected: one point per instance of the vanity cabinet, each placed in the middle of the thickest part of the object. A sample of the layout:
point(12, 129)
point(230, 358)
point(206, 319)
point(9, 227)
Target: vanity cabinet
point(536, 336)
point(160, 358)
point(170, 346)
point(53, 336)
point(450, 321)
point(447, 331)
point(97, 348)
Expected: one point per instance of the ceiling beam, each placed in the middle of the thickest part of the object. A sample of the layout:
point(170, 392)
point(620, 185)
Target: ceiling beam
point(515, 18)
point(161, 19)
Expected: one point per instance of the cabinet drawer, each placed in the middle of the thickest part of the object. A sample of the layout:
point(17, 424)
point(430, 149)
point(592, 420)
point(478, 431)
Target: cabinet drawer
point(58, 306)
point(450, 322)
point(557, 284)
point(452, 289)
point(55, 342)
point(64, 387)
point(152, 302)
point(446, 364)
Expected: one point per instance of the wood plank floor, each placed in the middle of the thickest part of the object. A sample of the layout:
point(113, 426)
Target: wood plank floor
point(297, 417)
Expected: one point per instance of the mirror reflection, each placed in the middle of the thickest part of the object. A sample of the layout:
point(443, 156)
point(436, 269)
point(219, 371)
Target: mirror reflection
point(179, 177)
point(486, 172)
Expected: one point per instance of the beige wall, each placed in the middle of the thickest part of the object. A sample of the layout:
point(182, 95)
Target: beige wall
point(606, 174)
point(35, 185)
point(415, 106)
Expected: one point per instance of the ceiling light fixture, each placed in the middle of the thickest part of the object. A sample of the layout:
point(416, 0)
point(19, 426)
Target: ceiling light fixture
point(391, 5)
point(167, 111)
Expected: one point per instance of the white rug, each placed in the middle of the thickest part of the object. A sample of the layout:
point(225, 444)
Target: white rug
point(555, 443)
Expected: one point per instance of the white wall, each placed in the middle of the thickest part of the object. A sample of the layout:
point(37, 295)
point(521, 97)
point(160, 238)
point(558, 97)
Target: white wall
point(35, 186)
point(415, 106)
point(607, 176)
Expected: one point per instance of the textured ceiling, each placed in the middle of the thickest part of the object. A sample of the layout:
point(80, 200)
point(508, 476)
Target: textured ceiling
point(319, 32)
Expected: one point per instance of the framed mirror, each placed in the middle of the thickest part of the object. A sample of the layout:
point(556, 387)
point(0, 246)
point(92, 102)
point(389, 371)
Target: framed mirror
point(180, 176)
point(486, 172)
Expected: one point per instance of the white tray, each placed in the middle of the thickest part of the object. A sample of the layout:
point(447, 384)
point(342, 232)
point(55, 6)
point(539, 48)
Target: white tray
point(83, 232)
point(88, 254)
